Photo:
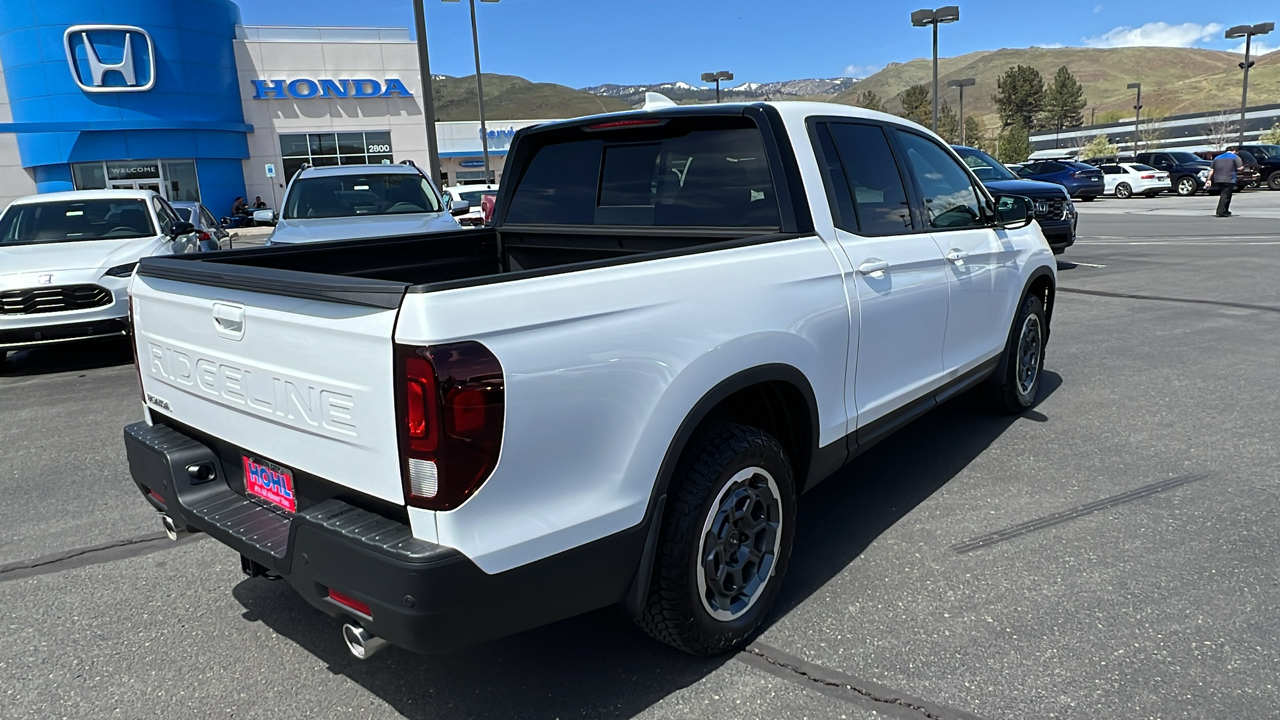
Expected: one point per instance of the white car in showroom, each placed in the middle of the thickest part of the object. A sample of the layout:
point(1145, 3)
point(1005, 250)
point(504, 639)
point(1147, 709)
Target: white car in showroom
point(1124, 180)
point(66, 259)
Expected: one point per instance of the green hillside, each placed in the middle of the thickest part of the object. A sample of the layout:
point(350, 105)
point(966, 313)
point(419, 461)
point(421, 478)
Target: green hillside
point(507, 97)
point(1174, 80)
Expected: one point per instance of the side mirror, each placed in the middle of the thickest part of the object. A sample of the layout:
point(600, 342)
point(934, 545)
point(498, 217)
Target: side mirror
point(1014, 211)
point(265, 217)
point(179, 229)
point(459, 207)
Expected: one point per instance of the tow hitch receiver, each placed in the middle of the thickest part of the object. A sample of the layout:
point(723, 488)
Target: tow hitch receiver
point(254, 569)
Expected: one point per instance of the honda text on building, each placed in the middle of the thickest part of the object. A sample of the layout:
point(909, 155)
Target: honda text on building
point(678, 321)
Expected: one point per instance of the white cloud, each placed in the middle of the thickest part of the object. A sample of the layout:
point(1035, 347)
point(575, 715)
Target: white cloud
point(1097, 9)
point(1049, 46)
point(1259, 47)
point(861, 71)
point(1159, 34)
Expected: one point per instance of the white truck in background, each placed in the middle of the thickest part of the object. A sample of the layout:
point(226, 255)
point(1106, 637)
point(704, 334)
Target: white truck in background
point(678, 322)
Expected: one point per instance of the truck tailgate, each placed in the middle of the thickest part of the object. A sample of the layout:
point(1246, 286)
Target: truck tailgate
point(300, 382)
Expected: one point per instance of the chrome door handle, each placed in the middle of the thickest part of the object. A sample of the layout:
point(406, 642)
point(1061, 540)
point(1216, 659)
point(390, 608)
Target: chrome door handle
point(957, 256)
point(872, 266)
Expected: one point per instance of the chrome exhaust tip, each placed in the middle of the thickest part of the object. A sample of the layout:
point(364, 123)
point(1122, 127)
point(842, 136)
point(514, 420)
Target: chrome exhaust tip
point(171, 531)
point(362, 643)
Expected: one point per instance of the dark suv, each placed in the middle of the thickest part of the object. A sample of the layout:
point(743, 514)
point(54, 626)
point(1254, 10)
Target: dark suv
point(1054, 211)
point(1267, 158)
point(1083, 182)
point(1187, 172)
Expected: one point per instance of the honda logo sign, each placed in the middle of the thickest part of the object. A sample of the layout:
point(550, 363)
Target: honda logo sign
point(111, 58)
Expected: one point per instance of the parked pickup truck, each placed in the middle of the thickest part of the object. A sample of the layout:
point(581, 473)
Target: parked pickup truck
point(678, 322)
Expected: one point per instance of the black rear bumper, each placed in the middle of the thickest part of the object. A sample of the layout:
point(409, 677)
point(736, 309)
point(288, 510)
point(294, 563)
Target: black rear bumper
point(424, 597)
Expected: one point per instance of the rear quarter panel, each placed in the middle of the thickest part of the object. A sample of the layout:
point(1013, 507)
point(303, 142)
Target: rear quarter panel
point(603, 365)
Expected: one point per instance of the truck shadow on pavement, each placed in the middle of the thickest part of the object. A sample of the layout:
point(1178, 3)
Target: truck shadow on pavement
point(599, 664)
point(66, 357)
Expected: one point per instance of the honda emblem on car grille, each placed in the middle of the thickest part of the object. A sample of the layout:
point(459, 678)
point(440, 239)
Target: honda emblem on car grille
point(44, 280)
point(1042, 207)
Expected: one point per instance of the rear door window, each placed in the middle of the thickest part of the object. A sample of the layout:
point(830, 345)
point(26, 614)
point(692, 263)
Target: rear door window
point(707, 172)
point(870, 198)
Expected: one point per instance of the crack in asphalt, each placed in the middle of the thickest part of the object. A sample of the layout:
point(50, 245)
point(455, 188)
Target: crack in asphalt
point(91, 555)
point(1161, 298)
point(846, 687)
point(1079, 511)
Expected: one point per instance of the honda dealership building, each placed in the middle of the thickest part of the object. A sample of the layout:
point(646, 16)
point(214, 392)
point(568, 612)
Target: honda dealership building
point(180, 97)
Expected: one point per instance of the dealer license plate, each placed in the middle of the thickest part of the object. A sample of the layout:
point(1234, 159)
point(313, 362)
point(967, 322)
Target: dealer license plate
point(270, 482)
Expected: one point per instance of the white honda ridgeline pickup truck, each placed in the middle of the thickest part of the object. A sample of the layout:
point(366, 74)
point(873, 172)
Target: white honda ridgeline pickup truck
point(678, 322)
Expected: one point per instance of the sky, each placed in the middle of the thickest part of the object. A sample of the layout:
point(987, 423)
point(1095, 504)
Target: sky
point(588, 42)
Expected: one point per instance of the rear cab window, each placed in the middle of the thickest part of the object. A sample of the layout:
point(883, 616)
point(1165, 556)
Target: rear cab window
point(708, 171)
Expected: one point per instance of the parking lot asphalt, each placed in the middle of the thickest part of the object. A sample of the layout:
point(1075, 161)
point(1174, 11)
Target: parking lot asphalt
point(1109, 554)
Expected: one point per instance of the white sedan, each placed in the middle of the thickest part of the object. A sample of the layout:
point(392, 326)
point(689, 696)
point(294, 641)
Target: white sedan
point(66, 259)
point(1125, 180)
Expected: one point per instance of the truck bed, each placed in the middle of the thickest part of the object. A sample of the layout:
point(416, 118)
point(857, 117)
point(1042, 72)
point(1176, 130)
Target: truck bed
point(378, 272)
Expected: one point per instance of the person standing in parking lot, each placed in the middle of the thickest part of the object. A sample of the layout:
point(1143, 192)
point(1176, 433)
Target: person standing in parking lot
point(1223, 175)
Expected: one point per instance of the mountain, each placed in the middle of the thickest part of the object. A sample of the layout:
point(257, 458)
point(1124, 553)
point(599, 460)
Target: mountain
point(682, 92)
point(1174, 80)
point(507, 97)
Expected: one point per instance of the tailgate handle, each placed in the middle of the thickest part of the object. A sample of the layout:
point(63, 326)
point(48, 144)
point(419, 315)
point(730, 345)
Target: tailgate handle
point(228, 320)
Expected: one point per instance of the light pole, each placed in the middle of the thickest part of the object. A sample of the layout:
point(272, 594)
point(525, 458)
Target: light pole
point(1137, 117)
point(1247, 32)
point(961, 84)
point(925, 18)
point(428, 96)
point(484, 129)
point(716, 77)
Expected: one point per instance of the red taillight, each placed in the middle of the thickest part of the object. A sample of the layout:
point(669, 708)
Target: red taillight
point(1148, 177)
point(1075, 174)
point(451, 415)
point(350, 602)
point(624, 123)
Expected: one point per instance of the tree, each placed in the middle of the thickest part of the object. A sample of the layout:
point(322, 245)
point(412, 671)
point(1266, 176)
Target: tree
point(1272, 136)
point(916, 106)
point(1014, 144)
point(1064, 101)
point(948, 123)
point(1020, 96)
point(869, 100)
point(1150, 133)
point(1222, 130)
point(1099, 146)
point(974, 132)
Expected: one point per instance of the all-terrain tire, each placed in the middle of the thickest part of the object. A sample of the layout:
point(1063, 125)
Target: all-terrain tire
point(1016, 388)
point(742, 466)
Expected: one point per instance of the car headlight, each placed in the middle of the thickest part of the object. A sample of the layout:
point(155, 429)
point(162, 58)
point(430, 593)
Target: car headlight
point(122, 271)
point(1203, 174)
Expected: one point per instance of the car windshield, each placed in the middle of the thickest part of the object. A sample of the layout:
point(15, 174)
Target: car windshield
point(984, 166)
point(1186, 157)
point(1264, 152)
point(184, 213)
point(359, 195)
point(75, 221)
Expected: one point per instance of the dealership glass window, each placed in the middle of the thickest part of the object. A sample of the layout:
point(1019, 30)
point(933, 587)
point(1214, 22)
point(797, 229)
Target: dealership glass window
point(89, 176)
point(175, 179)
point(180, 180)
point(324, 149)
